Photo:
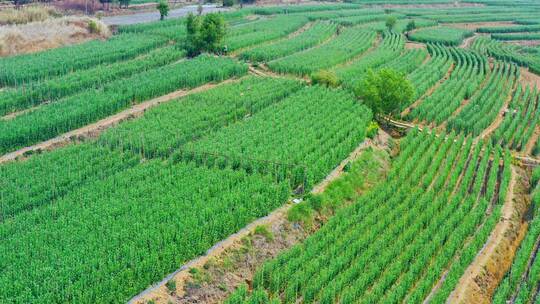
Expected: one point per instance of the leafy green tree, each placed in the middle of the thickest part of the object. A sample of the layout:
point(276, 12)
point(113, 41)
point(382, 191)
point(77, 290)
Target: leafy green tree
point(385, 91)
point(205, 33)
point(391, 22)
point(124, 3)
point(411, 26)
point(163, 8)
point(228, 3)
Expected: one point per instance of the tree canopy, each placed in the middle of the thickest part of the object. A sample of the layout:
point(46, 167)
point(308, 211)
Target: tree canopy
point(205, 33)
point(385, 91)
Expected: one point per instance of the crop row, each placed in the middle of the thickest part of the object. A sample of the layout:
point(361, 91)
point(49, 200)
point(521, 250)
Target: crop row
point(391, 46)
point(312, 36)
point(510, 29)
point(469, 72)
point(432, 71)
point(19, 70)
point(516, 36)
point(168, 127)
point(307, 133)
point(414, 227)
point(520, 283)
point(262, 31)
point(112, 237)
point(77, 110)
point(508, 52)
point(349, 43)
point(486, 104)
point(444, 35)
point(520, 120)
point(35, 93)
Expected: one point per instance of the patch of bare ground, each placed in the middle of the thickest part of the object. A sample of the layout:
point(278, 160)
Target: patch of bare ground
point(212, 277)
point(93, 130)
point(414, 45)
point(528, 78)
point(467, 42)
point(473, 26)
point(51, 33)
point(482, 277)
point(428, 92)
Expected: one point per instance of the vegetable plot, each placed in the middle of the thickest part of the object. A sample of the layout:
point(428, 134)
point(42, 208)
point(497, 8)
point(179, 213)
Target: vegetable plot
point(108, 240)
point(169, 126)
point(91, 105)
point(414, 228)
point(22, 69)
point(349, 43)
point(313, 130)
point(444, 35)
point(316, 34)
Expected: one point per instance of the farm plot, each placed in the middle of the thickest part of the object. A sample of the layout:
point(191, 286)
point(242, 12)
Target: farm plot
point(444, 35)
point(429, 217)
point(75, 111)
point(261, 31)
point(35, 93)
point(107, 240)
point(349, 43)
point(484, 107)
point(316, 34)
point(432, 71)
point(507, 52)
point(468, 74)
point(22, 69)
point(302, 137)
point(41, 179)
point(390, 48)
point(168, 127)
point(520, 120)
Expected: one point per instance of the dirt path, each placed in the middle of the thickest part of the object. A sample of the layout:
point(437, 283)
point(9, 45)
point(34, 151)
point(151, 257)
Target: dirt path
point(258, 250)
point(483, 275)
point(428, 92)
point(528, 78)
point(467, 42)
point(93, 130)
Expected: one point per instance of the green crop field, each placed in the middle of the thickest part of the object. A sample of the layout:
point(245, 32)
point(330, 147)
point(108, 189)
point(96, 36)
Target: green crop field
point(374, 151)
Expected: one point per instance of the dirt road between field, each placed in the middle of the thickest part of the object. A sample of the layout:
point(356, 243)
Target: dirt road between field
point(94, 129)
point(244, 251)
point(467, 42)
point(528, 78)
point(484, 274)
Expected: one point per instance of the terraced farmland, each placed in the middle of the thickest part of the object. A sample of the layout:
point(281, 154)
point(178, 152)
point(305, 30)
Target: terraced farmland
point(257, 172)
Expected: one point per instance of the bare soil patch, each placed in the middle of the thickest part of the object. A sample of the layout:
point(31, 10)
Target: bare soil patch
point(433, 5)
point(212, 277)
point(482, 277)
point(467, 42)
point(93, 130)
point(51, 33)
point(524, 42)
point(414, 45)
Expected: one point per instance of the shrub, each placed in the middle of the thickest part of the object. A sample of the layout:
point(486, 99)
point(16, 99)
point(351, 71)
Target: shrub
point(93, 27)
point(325, 78)
point(171, 286)
point(228, 3)
point(372, 129)
point(264, 231)
point(300, 213)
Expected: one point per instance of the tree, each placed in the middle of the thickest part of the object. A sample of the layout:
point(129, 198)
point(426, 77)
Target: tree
point(125, 3)
point(391, 22)
point(205, 33)
point(163, 8)
point(410, 26)
point(228, 3)
point(385, 91)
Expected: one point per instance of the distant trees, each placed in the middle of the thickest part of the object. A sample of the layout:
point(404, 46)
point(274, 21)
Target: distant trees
point(205, 33)
point(390, 22)
point(163, 8)
point(410, 26)
point(124, 3)
point(385, 91)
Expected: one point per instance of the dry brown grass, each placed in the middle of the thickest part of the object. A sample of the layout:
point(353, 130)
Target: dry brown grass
point(27, 14)
point(51, 33)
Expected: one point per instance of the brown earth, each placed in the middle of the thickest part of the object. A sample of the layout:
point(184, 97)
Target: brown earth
point(414, 45)
point(473, 26)
point(467, 42)
point(93, 130)
point(482, 277)
point(235, 260)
